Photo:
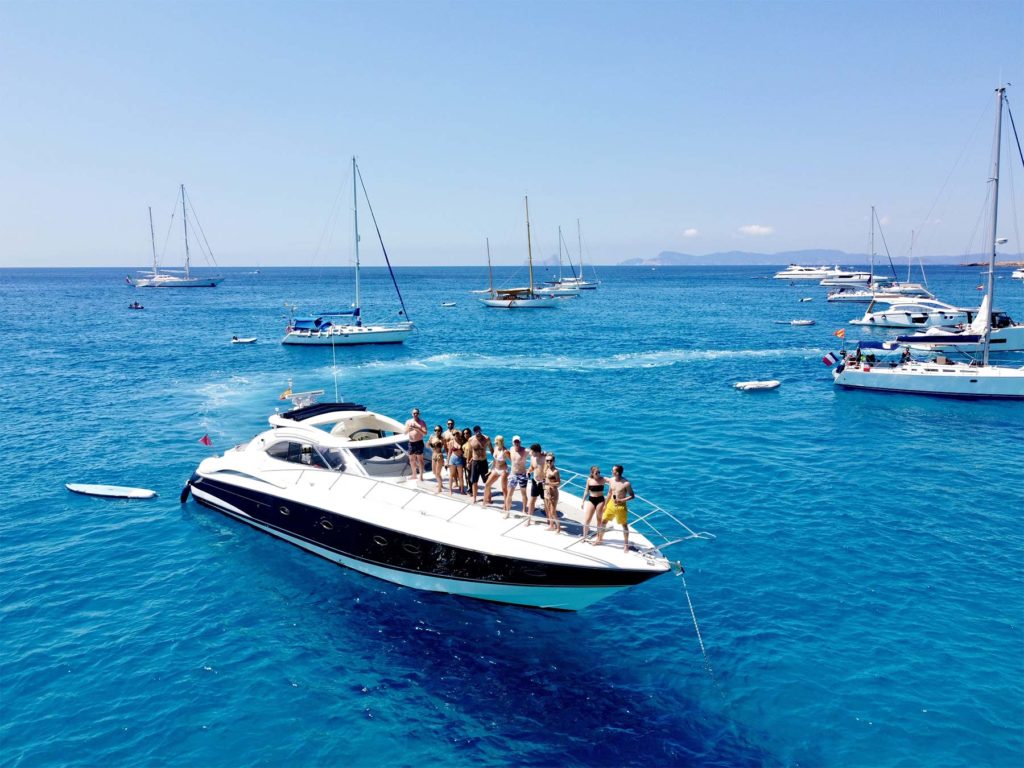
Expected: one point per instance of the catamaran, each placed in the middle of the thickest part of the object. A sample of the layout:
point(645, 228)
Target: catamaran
point(941, 376)
point(520, 298)
point(168, 279)
point(345, 327)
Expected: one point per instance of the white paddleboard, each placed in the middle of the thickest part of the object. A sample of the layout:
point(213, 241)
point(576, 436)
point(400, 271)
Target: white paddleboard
point(111, 491)
point(749, 386)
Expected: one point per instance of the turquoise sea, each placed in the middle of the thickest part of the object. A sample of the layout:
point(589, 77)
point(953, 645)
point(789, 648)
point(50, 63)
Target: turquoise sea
point(862, 604)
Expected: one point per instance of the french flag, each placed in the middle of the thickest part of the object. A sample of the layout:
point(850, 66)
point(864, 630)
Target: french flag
point(830, 359)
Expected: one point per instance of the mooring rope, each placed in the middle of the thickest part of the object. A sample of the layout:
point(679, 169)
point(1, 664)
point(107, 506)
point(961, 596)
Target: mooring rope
point(704, 651)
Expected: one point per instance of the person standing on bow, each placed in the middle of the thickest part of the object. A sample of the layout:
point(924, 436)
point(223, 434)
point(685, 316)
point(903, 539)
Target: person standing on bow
point(518, 477)
point(436, 444)
point(615, 509)
point(416, 430)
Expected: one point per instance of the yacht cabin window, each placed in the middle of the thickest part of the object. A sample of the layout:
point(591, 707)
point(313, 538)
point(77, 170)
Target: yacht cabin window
point(307, 454)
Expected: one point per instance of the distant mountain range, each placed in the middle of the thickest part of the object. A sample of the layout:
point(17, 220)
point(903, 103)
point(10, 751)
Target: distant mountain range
point(812, 258)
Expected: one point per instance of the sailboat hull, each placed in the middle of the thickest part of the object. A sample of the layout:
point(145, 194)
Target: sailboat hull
point(942, 380)
point(536, 303)
point(170, 281)
point(350, 335)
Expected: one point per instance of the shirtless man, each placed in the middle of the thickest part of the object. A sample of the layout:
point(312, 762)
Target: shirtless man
point(536, 479)
point(621, 492)
point(416, 430)
point(517, 474)
point(478, 458)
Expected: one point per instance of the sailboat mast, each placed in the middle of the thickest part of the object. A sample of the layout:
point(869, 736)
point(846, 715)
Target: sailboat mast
point(490, 272)
point(184, 221)
point(996, 142)
point(355, 213)
point(152, 238)
point(579, 244)
point(871, 269)
point(529, 248)
point(559, 254)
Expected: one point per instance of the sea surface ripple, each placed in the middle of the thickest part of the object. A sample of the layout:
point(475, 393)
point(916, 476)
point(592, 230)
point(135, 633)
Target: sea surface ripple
point(861, 605)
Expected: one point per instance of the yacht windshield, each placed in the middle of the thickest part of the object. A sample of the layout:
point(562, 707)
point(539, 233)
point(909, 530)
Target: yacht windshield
point(391, 460)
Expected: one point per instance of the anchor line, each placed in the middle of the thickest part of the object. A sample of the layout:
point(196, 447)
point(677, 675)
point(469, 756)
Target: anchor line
point(700, 639)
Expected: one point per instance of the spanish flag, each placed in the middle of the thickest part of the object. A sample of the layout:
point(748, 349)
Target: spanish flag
point(841, 333)
point(286, 394)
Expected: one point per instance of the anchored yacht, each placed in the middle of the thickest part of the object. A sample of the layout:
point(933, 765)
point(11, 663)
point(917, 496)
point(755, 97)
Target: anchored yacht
point(913, 313)
point(799, 272)
point(335, 480)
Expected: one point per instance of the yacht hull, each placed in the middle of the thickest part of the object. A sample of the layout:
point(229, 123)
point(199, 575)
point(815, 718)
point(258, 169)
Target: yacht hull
point(1009, 339)
point(348, 335)
point(417, 562)
point(538, 303)
point(177, 282)
point(945, 380)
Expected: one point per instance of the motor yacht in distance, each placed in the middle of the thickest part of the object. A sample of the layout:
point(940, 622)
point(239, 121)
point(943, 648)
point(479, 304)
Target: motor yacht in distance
point(889, 293)
point(798, 272)
point(913, 313)
point(335, 480)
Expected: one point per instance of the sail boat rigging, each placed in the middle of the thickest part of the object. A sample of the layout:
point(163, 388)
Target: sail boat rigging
point(579, 281)
point(165, 279)
point(327, 329)
point(521, 298)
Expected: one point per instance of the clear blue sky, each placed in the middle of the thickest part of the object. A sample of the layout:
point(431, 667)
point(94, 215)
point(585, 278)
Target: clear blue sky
point(695, 127)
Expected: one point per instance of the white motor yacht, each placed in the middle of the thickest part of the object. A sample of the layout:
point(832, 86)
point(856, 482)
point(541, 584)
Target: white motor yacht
point(860, 279)
point(1004, 335)
point(912, 313)
point(890, 293)
point(335, 480)
point(1017, 274)
point(799, 272)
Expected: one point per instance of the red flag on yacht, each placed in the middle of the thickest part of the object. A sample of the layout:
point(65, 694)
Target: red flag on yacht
point(205, 440)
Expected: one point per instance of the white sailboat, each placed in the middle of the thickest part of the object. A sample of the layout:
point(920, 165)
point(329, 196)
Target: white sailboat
point(576, 281)
point(520, 298)
point(563, 286)
point(168, 279)
point(941, 376)
point(345, 327)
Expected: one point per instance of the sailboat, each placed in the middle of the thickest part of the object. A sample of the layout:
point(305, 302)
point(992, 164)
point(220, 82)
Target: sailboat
point(574, 281)
point(345, 327)
point(520, 298)
point(562, 286)
point(167, 279)
point(940, 376)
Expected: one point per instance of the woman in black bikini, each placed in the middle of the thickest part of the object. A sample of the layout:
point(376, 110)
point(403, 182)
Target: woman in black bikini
point(593, 501)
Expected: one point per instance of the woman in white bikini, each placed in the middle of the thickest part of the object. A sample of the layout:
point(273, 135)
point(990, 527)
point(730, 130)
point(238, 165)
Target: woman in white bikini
point(499, 470)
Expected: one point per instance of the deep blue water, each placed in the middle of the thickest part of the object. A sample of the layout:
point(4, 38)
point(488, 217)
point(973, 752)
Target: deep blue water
point(862, 604)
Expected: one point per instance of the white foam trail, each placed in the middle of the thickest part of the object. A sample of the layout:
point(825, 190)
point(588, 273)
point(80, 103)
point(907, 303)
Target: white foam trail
point(630, 360)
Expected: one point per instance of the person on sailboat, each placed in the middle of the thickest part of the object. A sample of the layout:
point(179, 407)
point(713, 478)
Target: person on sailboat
point(416, 430)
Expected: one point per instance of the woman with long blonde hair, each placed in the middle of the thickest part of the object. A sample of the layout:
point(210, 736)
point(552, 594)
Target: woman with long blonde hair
point(499, 470)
